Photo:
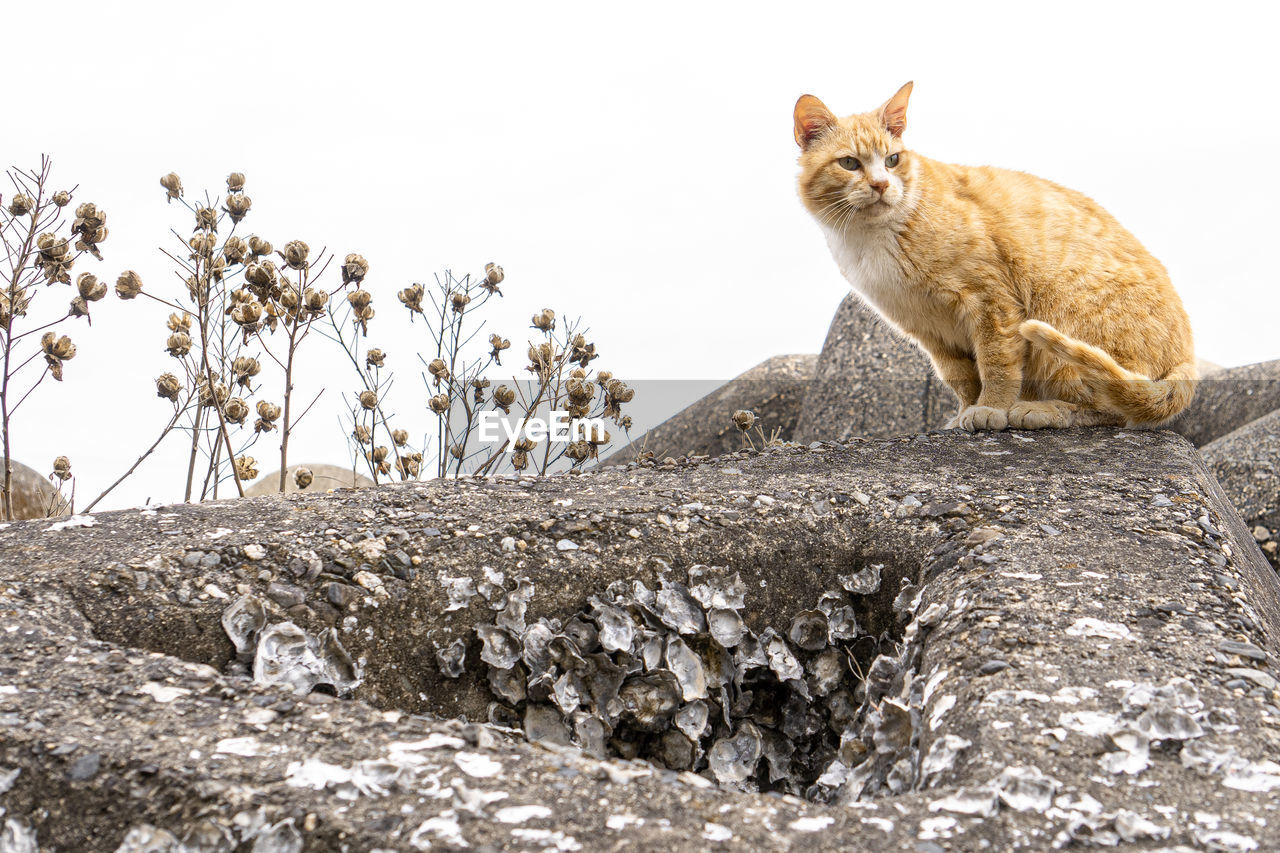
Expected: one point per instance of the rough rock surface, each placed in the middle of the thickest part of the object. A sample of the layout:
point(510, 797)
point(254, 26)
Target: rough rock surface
point(1247, 464)
point(871, 382)
point(324, 476)
point(1091, 645)
point(774, 390)
point(1229, 399)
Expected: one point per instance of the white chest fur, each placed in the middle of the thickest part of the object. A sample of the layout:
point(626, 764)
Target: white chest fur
point(869, 259)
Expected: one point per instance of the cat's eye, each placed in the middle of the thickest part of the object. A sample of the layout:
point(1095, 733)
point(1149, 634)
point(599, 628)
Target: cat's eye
point(850, 163)
point(891, 160)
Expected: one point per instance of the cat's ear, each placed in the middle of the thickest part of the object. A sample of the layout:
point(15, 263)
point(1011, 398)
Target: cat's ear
point(812, 120)
point(893, 115)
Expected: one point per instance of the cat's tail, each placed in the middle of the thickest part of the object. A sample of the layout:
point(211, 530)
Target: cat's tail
point(1141, 400)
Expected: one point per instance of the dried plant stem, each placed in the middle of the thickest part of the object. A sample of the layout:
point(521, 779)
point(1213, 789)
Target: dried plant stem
point(177, 413)
point(285, 424)
point(15, 275)
point(378, 415)
point(213, 392)
point(195, 451)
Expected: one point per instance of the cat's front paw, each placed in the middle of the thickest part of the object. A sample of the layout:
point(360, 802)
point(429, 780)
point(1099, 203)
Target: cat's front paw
point(976, 418)
point(1041, 414)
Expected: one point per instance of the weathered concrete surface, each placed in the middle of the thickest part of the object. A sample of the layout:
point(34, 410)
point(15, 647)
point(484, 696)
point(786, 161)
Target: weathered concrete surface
point(871, 382)
point(1060, 572)
point(1247, 464)
point(324, 477)
point(774, 390)
point(1229, 399)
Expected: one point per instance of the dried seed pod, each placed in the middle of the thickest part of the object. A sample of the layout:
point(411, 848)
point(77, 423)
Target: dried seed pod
point(603, 377)
point(89, 224)
point(580, 391)
point(361, 434)
point(619, 390)
point(359, 299)
point(579, 451)
point(315, 300)
point(267, 415)
point(493, 275)
point(302, 477)
point(90, 288)
point(168, 386)
point(498, 343)
point(439, 370)
point(179, 324)
point(236, 410)
point(245, 467)
point(439, 404)
point(519, 460)
point(58, 347)
point(504, 397)
point(598, 435)
point(400, 437)
point(15, 305)
point(173, 186)
point(235, 250)
point(295, 254)
point(220, 392)
point(369, 399)
point(289, 298)
point(541, 357)
point(411, 298)
point(378, 458)
point(179, 344)
point(354, 269)
point(545, 320)
point(237, 206)
point(56, 351)
point(247, 314)
point(261, 273)
point(79, 307)
point(477, 389)
point(21, 205)
point(456, 451)
point(245, 368)
point(235, 182)
point(128, 285)
point(202, 244)
point(459, 301)
point(61, 469)
point(374, 358)
point(409, 465)
point(206, 218)
point(524, 444)
point(744, 420)
point(52, 247)
point(260, 247)
point(581, 351)
point(62, 198)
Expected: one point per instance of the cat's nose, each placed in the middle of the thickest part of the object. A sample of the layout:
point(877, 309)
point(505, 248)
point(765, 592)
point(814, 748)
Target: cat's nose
point(880, 186)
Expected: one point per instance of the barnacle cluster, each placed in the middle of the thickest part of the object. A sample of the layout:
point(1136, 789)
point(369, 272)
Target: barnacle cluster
point(674, 675)
point(283, 653)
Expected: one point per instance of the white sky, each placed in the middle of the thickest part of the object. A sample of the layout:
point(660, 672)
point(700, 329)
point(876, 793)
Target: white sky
point(632, 164)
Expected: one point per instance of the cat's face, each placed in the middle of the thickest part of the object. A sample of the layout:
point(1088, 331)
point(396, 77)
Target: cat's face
point(855, 171)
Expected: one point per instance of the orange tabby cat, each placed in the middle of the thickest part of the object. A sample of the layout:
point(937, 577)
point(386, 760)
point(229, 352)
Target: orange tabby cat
point(1036, 307)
